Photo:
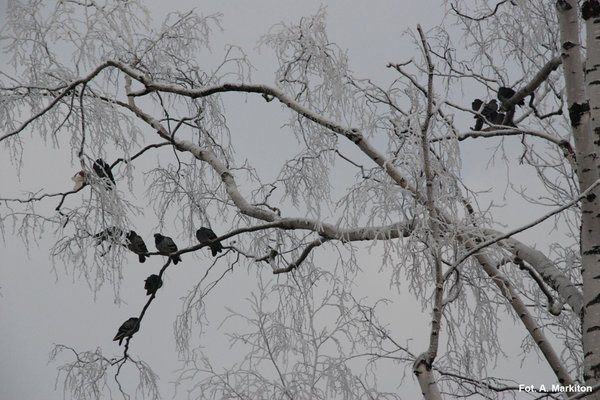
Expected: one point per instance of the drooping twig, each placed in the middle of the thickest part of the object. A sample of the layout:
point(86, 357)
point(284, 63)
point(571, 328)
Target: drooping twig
point(483, 17)
point(292, 266)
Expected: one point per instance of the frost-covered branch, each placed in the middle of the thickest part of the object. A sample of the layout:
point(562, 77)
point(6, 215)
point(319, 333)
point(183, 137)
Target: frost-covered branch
point(64, 92)
point(533, 223)
point(546, 268)
point(423, 365)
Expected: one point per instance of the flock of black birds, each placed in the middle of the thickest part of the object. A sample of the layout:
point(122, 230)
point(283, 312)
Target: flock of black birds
point(134, 242)
point(488, 112)
point(165, 246)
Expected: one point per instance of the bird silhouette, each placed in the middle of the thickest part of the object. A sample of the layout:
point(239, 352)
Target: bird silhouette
point(136, 244)
point(477, 106)
point(128, 328)
point(166, 246)
point(490, 110)
point(205, 235)
point(102, 169)
point(505, 94)
point(498, 118)
point(152, 284)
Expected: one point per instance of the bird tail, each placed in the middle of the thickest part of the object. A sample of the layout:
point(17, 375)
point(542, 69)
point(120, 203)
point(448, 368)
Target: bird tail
point(216, 248)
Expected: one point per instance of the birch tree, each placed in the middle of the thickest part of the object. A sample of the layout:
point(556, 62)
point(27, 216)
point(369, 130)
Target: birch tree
point(366, 167)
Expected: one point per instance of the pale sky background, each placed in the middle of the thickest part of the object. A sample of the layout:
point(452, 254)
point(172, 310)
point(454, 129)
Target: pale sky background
point(37, 310)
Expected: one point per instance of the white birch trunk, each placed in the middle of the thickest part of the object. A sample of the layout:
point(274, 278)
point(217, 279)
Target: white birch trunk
point(587, 173)
point(427, 382)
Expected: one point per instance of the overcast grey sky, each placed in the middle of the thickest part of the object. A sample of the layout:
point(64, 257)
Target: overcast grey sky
point(37, 310)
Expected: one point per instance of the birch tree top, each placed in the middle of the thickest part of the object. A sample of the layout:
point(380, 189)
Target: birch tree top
point(257, 216)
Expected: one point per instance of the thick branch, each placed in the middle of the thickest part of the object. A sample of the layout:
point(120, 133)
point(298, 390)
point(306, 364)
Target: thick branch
point(534, 83)
point(432, 219)
point(351, 134)
point(365, 147)
point(587, 174)
point(536, 332)
point(500, 132)
point(547, 269)
point(535, 222)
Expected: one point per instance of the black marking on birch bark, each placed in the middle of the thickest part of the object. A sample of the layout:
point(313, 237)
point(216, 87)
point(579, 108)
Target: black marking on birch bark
point(576, 111)
point(593, 250)
point(226, 175)
point(593, 329)
point(562, 5)
point(590, 197)
point(424, 362)
point(564, 144)
point(590, 9)
point(568, 45)
point(595, 300)
point(354, 136)
point(596, 277)
point(595, 82)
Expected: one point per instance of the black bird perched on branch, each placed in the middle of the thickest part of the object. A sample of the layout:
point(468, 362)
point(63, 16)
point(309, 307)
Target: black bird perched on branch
point(102, 169)
point(166, 246)
point(489, 110)
point(128, 328)
point(136, 244)
point(476, 105)
point(205, 235)
point(498, 118)
point(505, 94)
point(153, 283)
